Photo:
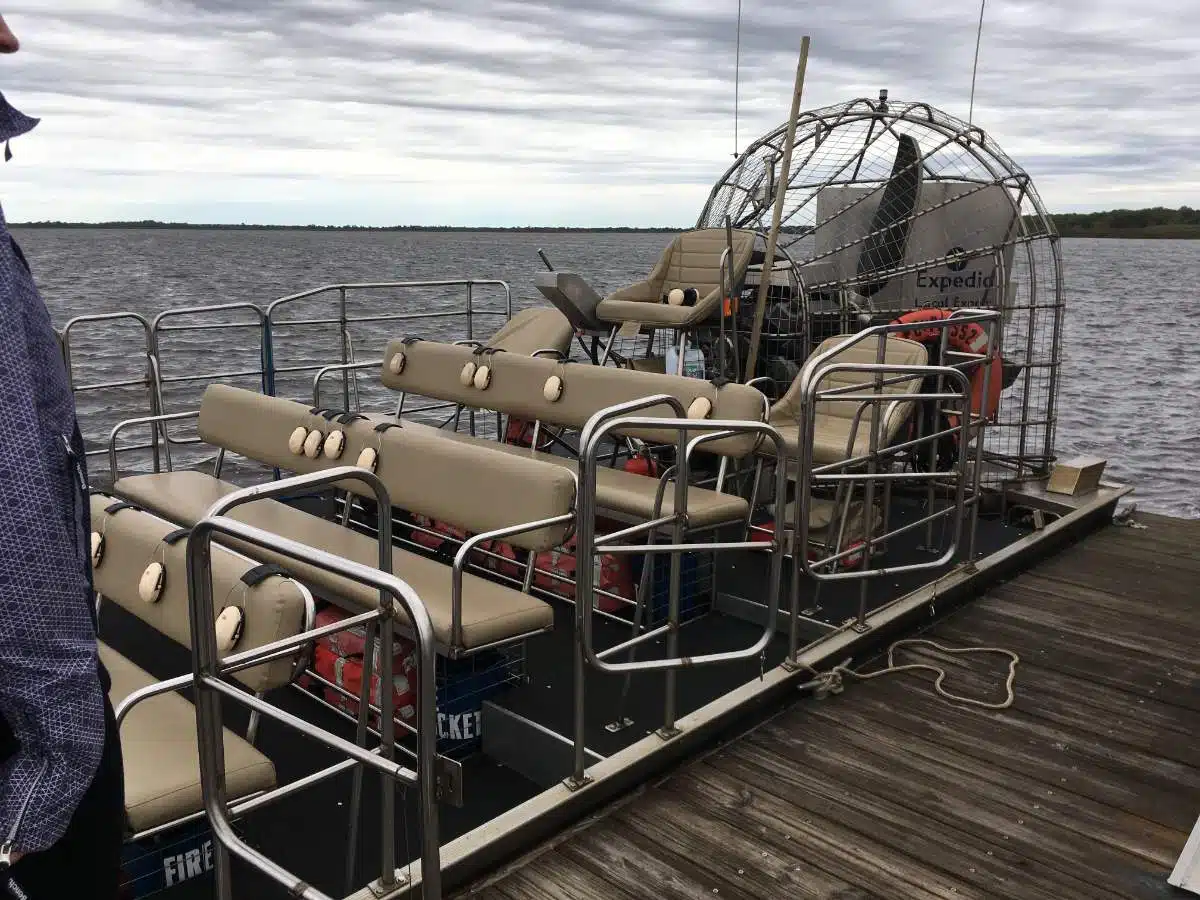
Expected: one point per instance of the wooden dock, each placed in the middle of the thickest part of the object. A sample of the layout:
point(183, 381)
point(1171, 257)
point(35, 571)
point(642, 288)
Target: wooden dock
point(1086, 787)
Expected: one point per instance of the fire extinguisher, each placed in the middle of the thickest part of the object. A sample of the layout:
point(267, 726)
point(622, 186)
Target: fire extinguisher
point(642, 463)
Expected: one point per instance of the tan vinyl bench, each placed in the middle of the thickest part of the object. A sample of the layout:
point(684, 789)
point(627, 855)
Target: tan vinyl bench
point(158, 735)
point(835, 418)
point(457, 483)
point(691, 260)
point(519, 386)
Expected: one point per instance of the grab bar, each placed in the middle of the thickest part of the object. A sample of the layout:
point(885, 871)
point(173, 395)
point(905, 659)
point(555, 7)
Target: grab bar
point(594, 432)
point(209, 688)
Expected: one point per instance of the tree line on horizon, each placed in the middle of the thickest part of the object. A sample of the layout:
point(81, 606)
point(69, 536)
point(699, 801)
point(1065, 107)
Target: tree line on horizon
point(1156, 221)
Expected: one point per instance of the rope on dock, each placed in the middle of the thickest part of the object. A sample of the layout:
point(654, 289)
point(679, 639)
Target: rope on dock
point(832, 681)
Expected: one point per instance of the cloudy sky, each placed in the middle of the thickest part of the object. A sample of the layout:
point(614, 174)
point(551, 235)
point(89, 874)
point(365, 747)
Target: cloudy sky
point(589, 112)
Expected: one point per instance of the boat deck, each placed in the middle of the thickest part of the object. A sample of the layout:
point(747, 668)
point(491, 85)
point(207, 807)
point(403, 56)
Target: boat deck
point(1086, 787)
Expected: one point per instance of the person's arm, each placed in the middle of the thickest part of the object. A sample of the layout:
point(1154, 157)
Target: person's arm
point(50, 693)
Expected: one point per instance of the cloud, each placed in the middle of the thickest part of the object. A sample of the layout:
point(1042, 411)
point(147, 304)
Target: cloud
point(581, 112)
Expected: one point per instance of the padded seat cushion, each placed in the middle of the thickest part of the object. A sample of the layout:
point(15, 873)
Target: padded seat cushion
point(490, 612)
point(616, 312)
point(617, 491)
point(831, 438)
point(421, 473)
point(161, 759)
point(531, 330)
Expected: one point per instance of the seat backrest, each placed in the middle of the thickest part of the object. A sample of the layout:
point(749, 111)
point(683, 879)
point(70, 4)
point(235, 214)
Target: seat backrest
point(897, 351)
point(518, 386)
point(459, 483)
point(273, 606)
point(694, 259)
point(534, 329)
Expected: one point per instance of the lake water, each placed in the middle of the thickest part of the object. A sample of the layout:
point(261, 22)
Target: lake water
point(1131, 377)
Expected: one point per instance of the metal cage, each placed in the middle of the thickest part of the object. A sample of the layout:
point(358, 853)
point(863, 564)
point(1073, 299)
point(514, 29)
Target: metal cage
point(896, 206)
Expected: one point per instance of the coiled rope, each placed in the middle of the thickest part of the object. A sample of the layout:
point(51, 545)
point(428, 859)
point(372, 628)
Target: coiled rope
point(833, 681)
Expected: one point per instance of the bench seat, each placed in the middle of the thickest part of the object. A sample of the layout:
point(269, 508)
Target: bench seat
point(490, 612)
point(617, 491)
point(161, 758)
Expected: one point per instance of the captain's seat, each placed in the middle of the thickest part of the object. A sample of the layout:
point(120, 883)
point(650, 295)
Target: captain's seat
point(691, 262)
point(841, 432)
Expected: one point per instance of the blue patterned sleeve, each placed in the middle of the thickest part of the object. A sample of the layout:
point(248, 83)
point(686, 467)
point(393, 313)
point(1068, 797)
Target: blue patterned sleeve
point(50, 693)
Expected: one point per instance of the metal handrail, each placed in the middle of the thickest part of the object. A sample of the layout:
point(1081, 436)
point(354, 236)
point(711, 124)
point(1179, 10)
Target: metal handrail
point(824, 569)
point(814, 363)
point(464, 552)
point(151, 380)
point(340, 367)
point(65, 339)
point(140, 420)
point(989, 319)
point(209, 687)
point(385, 285)
point(721, 429)
point(264, 372)
point(594, 432)
point(809, 474)
point(343, 321)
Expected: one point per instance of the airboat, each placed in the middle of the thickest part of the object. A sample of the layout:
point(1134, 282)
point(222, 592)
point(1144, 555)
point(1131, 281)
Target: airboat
point(380, 620)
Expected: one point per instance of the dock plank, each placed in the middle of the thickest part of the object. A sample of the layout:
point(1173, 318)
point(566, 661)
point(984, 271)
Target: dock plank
point(1085, 788)
point(1053, 755)
point(1089, 626)
point(1160, 684)
point(966, 809)
point(634, 865)
point(1074, 811)
point(693, 832)
point(553, 877)
point(1058, 593)
point(790, 794)
point(1170, 546)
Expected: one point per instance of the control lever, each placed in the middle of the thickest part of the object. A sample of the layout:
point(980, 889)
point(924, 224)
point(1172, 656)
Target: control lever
point(545, 259)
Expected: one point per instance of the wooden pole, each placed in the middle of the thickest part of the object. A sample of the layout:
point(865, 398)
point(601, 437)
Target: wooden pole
point(776, 220)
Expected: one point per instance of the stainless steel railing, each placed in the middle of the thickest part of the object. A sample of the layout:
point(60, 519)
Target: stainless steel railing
point(265, 322)
point(344, 320)
point(150, 379)
point(395, 597)
point(588, 545)
point(951, 393)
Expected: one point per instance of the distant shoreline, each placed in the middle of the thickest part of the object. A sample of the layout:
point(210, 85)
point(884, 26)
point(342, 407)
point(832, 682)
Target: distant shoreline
point(193, 226)
point(1169, 232)
point(1152, 222)
point(1069, 225)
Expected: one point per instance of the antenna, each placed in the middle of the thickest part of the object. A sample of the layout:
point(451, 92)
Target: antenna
point(975, 66)
point(737, 68)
